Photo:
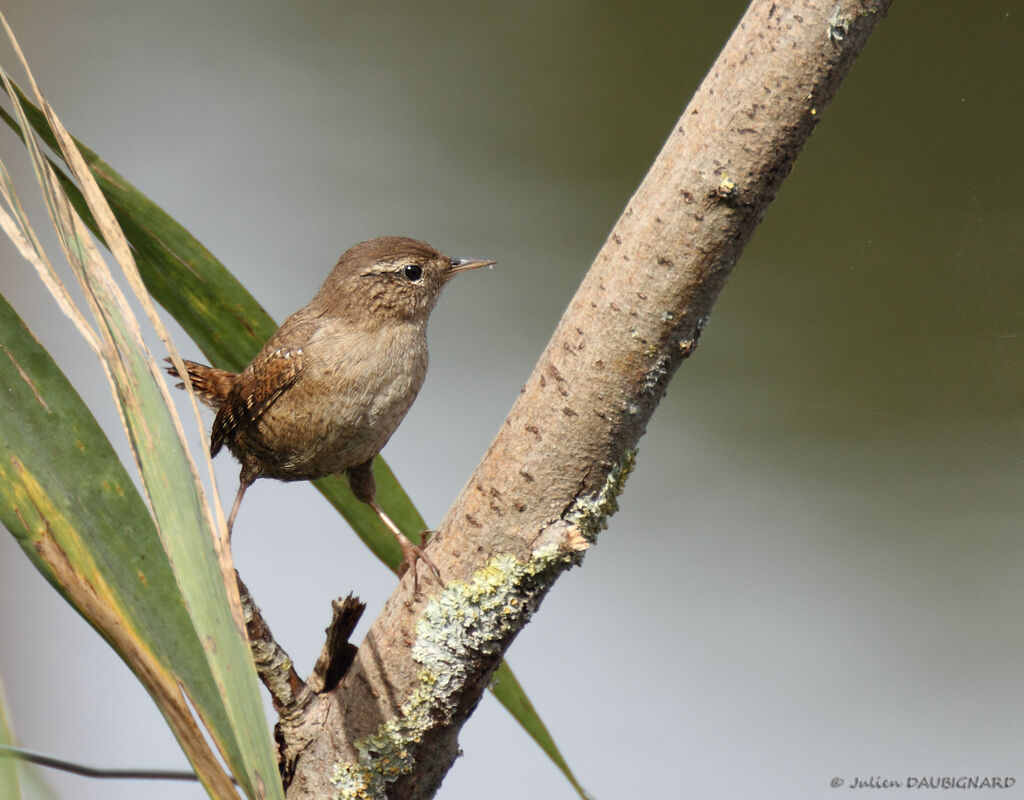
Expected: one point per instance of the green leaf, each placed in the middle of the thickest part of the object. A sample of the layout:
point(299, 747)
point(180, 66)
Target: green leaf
point(185, 526)
point(72, 507)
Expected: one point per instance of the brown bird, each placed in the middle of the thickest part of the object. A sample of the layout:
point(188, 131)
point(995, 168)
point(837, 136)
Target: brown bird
point(329, 389)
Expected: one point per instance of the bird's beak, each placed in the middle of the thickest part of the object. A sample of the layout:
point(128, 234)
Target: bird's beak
point(463, 264)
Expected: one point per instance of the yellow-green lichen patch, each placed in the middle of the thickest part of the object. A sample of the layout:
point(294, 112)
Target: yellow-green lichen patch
point(727, 188)
point(590, 514)
point(466, 621)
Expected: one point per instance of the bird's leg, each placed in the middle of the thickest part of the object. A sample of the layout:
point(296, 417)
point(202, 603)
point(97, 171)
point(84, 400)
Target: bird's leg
point(411, 553)
point(234, 508)
point(245, 480)
point(364, 487)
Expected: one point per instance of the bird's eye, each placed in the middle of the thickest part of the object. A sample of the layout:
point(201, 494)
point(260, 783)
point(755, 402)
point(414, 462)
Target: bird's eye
point(413, 271)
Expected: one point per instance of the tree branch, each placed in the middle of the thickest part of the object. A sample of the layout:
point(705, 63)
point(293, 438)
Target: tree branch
point(288, 691)
point(337, 653)
point(550, 478)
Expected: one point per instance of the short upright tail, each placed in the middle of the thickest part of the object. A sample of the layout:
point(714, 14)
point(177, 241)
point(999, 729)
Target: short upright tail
point(211, 384)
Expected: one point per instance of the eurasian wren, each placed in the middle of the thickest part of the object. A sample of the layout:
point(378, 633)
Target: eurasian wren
point(327, 391)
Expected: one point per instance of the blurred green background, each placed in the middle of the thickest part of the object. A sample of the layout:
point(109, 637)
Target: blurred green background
point(816, 572)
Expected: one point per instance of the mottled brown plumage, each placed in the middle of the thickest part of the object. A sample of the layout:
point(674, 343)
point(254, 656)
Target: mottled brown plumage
point(327, 391)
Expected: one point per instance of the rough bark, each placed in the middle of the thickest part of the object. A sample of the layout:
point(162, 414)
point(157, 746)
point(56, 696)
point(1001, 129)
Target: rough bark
point(550, 478)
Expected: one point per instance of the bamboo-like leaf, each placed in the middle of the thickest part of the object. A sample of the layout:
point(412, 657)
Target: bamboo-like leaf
point(75, 512)
point(200, 561)
point(229, 326)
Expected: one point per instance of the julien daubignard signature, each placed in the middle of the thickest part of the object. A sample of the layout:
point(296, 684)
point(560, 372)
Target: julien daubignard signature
point(928, 782)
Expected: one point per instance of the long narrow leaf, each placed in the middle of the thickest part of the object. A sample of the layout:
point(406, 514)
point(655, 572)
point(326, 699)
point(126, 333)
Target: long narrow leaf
point(68, 501)
point(201, 564)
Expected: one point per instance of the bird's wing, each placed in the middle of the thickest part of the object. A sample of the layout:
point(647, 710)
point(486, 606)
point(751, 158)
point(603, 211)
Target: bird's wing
point(269, 376)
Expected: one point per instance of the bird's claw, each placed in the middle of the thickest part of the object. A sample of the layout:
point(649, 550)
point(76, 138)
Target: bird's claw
point(411, 553)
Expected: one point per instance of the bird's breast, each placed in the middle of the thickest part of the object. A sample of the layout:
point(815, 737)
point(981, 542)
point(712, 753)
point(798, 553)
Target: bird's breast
point(353, 393)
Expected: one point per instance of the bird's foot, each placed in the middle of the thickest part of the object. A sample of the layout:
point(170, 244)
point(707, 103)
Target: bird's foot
point(412, 553)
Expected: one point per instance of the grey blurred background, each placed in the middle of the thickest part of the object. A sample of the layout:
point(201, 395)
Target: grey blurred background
point(816, 571)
